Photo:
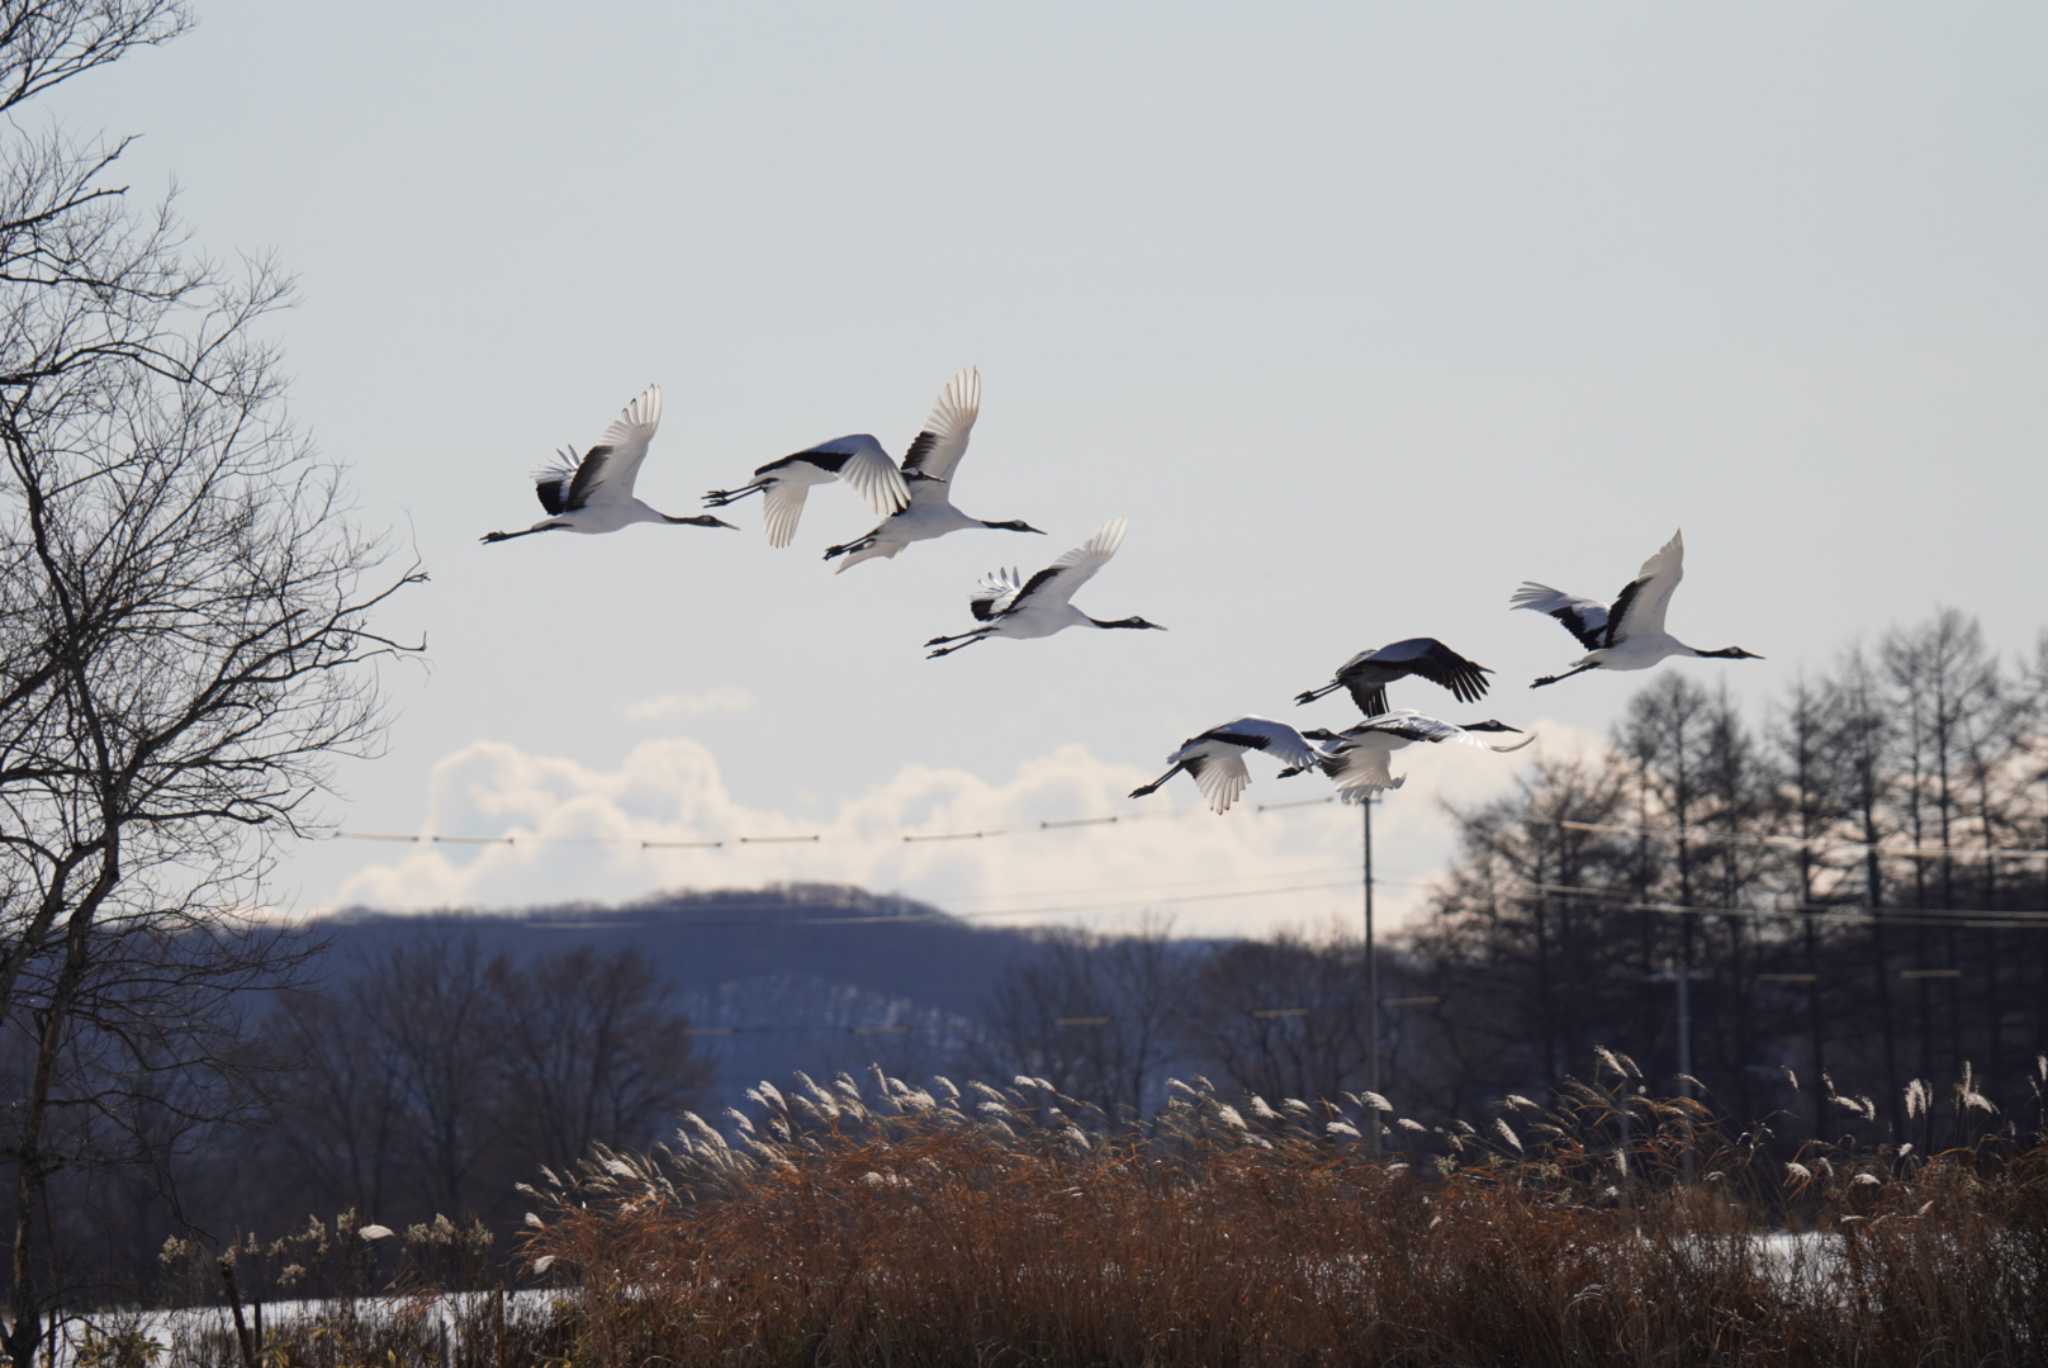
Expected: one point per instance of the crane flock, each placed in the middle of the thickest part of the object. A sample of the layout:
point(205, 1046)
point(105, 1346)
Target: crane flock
point(593, 493)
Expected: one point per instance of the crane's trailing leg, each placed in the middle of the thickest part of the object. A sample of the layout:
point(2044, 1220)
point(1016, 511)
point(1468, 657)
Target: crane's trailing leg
point(965, 640)
point(719, 498)
point(490, 537)
point(1153, 787)
point(863, 544)
point(1552, 679)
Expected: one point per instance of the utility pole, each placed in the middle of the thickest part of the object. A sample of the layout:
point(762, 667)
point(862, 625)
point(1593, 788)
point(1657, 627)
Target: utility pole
point(1372, 983)
point(1681, 972)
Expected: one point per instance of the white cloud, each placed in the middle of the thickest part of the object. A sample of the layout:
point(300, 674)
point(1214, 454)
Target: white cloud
point(683, 707)
point(584, 833)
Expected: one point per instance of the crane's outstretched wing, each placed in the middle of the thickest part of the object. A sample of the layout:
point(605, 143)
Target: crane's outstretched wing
point(1406, 723)
point(1411, 725)
point(1584, 618)
point(1221, 776)
point(1361, 771)
point(551, 483)
point(1058, 581)
point(1276, 739)
point(618, 453)
point(859, 460)
point(1370, 698)
point(937, 448)
point(1216, 757)
point(994, 595)
point(1427, 658)
point(1365, 674)
point(1416, 726)
point(1643, 601)
point(781, 507)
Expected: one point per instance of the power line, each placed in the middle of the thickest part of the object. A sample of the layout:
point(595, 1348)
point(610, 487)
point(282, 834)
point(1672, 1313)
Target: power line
point(1989, 919)
point(1089, 1021)
point(932, 918)
point(1823, 843)
point(896, 836)
point(1286, 1013)
point(897, 1028)
point(1325, 869)
point(1122, 899)
point(1147, 887)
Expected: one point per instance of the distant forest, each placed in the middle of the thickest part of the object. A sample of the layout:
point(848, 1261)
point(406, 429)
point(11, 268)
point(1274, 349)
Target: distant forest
point(1853, 884)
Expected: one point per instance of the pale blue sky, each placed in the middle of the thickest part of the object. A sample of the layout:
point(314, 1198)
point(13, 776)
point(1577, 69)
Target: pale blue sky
point(1361, 314)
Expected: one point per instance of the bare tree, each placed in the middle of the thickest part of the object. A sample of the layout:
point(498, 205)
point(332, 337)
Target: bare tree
point(434, 1077)
point(185, 634)
point(1284, 1017)
point(1095, 1015)
point(333, 1100)
point(591, 1050)
point(440, 1028)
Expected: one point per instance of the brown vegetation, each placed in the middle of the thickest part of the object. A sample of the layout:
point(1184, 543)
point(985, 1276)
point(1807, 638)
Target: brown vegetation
point(894, 1225)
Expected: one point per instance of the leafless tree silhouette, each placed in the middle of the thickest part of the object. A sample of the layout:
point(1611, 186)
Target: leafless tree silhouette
point(186, 636)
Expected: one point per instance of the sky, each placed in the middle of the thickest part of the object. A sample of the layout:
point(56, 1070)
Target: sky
point(1361, 314)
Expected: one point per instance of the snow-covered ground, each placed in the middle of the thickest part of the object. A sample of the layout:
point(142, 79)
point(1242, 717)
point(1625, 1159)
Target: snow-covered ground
point(170, 1329)
point(1803, 1257)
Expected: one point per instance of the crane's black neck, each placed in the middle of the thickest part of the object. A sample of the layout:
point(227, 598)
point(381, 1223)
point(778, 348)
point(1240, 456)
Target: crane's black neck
point(1133, 622)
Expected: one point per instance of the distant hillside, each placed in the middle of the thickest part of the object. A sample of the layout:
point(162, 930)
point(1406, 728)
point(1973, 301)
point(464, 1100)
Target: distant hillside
point(811, 976)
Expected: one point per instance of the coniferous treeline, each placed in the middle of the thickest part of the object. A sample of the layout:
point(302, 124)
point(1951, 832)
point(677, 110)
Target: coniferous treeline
point(1853, 883)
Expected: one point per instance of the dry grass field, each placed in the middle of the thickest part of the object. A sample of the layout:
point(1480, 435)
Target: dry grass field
point(871, 1222)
